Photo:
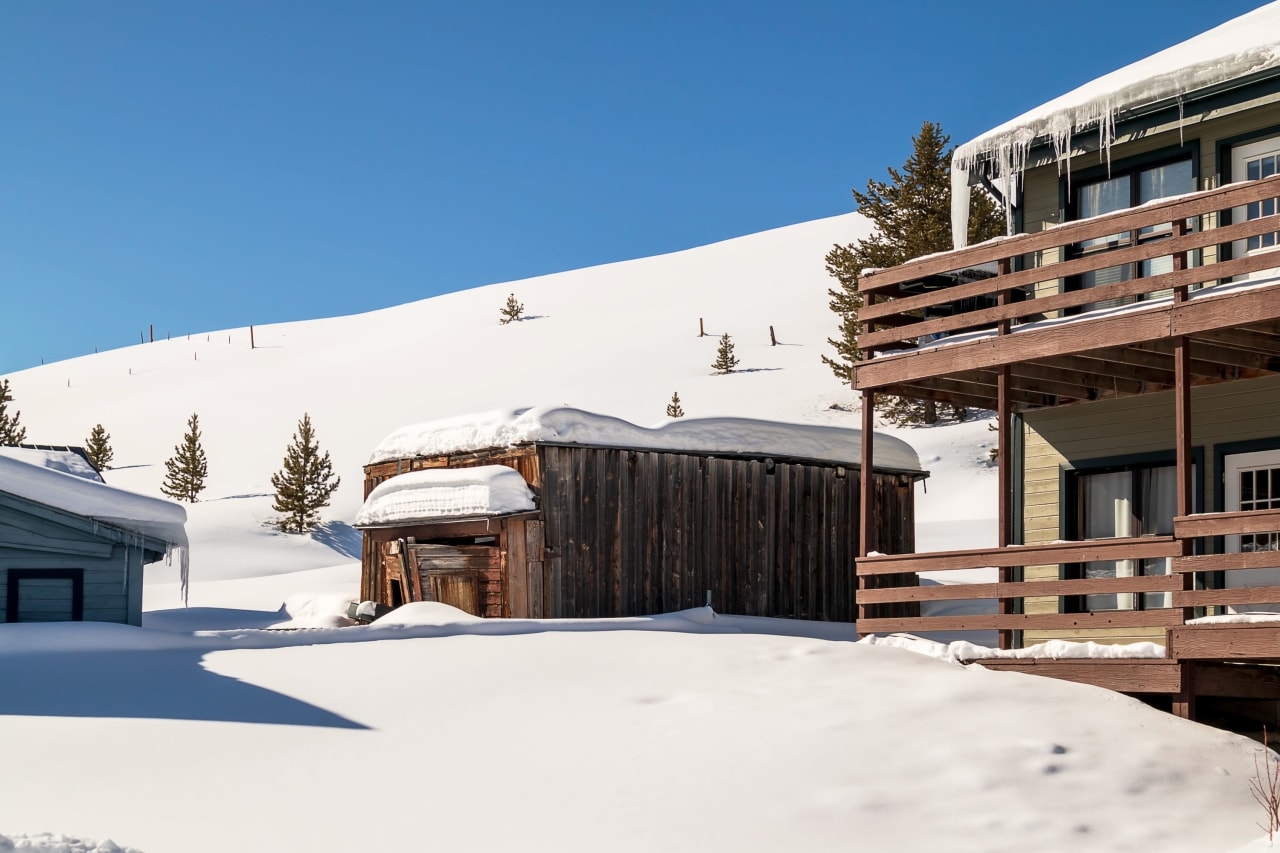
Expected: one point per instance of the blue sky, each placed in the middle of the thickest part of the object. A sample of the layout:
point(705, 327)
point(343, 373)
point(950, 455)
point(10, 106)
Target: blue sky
point(205, 164)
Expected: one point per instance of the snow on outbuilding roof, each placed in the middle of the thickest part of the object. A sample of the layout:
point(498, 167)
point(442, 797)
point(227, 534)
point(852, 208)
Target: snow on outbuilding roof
point(435, 493)
point(561, 425)
point(146, 516)
point(66, 461)
point(1242, 47)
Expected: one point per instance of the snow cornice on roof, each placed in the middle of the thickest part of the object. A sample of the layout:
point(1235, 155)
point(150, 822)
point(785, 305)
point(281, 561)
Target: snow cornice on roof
point(563, 425)
point(1242, 48)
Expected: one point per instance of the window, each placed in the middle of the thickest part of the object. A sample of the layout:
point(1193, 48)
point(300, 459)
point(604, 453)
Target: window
point(1120, 502)
point(1122, 190)
point(44, 595)
point(1251, 162)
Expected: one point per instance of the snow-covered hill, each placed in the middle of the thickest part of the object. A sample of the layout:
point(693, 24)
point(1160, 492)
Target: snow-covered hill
point(616, 339)
point(203, 733)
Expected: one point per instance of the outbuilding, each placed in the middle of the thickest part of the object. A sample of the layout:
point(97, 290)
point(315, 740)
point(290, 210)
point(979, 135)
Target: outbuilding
point(557, 512)
point(73, 548)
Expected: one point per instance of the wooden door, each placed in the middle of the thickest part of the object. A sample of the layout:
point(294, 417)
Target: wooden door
point(468, 577)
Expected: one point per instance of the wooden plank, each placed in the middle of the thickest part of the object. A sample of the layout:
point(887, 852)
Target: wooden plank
point(515, 565)
point(866, 524)
point(1022, 555)
point(1199, 314)
point(1068, 299)
point(1024, 589)
point(1226, 562)
point(1238, 595)
point(1237, 680)
point(535, 554)
point(891, 312)
point(1025, 622)
point(1130, 219)
point(1224, 642)
point(1226, 523)
point(1122, 676)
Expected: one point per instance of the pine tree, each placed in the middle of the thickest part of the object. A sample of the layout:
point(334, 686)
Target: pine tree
point(725, 361)
point(673, 408)
point(512, 311)
point(305, 482)
point(912, 217)
point(11, 432)
point(187, 467)
point(98, 448)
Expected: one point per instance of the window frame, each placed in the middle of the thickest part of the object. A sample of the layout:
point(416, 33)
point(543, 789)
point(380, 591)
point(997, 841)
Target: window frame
point(13, 599)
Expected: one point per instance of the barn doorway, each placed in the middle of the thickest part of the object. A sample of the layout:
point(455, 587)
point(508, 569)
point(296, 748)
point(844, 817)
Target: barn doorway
point(465, 574)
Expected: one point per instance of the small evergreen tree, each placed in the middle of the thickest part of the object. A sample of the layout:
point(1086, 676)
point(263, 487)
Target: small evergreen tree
point(187, 467)
point(512, 311)
point(11, 432)
point(305, 482)
point(673, 408)
point(725, 361)
point(98, 448)
point(912, 217)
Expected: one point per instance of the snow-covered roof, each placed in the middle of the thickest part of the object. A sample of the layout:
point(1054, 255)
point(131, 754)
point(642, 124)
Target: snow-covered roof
point(435, 493)
point(1239, 48)
point(66, 461)
point(560, 425)
point(154, 517)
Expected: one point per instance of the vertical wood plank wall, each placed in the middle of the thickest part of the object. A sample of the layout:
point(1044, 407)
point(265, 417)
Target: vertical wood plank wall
point(635, 532)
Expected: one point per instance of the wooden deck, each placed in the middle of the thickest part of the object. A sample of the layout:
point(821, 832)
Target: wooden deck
point(1006, 325)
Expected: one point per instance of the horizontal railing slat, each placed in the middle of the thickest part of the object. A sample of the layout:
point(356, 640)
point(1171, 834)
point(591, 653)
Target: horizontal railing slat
point(1020, 622)
point(1226, 562)
point(1021, 555)
point(1240, 595)
point(1133, 219)
point(1226, 523)
point(1020, 589)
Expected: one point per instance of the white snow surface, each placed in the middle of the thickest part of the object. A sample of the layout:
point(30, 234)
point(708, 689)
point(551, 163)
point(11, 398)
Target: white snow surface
point(444, 493)
point(1238, 48)
point(962, 650)
point(59, 460)
point(45, 842)
point(681, 732)
point(560, 424)
point(155, 517)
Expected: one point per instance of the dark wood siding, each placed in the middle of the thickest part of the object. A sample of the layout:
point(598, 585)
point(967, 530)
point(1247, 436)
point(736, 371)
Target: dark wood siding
point(638, 532)
point(634, 532)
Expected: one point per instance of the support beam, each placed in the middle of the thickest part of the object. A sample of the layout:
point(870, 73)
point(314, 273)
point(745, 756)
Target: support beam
point(1003, 468)
point(1182, 442)
point(866, 518)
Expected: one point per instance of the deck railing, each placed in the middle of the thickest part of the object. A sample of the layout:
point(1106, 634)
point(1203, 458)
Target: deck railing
point(1027, 273)
point(1188, 581)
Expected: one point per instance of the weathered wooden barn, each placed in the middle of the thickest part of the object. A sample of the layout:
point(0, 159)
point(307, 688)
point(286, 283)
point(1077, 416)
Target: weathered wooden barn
point(752, 517)
point(73, 548)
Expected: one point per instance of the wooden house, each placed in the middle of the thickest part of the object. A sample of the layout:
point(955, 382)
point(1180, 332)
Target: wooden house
point(73, 548)
point(750, 517)
point(1128, 336)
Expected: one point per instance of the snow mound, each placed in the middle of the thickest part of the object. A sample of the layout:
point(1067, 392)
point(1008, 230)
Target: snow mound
point(446, 493)
point(558, 424)
point(315, 611)
point(960, 650)
point(433, 614)
point(49, 843)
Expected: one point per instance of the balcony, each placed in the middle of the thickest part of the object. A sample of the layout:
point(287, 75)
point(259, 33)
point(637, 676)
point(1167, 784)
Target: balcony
point(945, 327)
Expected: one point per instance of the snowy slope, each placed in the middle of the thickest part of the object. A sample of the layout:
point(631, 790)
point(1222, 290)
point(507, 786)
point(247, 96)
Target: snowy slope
point(204, 733)
point(616, 339)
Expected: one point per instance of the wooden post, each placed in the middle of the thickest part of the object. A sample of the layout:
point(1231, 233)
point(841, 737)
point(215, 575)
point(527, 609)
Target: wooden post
point(252, 345)
point(1184, 701)
point(702, 332)
point(1182, 440)
point(867, 518)
point(151, 330)
point(1004, 606)
point(773, 339)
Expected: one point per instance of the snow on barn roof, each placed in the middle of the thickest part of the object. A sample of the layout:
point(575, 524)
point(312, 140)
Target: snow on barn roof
point(446, 493)
point(560, 425)
point(66, 461)
point(146, 516)
point(1243, 46)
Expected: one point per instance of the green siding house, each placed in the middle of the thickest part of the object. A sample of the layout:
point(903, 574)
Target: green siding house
point(73, 548)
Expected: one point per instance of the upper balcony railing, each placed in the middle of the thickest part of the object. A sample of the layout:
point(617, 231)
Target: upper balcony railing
point(1002, 283)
